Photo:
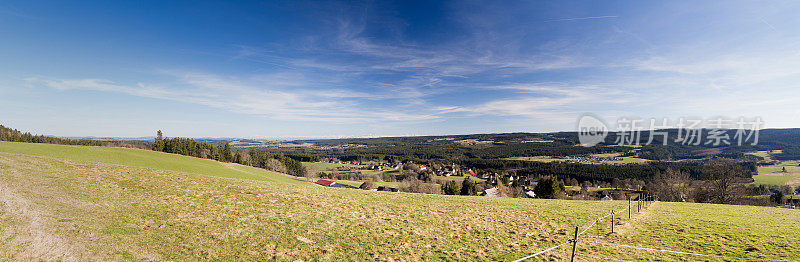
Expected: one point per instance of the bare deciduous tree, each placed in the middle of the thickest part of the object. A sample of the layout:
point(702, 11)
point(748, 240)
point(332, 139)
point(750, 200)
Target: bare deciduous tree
point(672, 185)
point(722, 174)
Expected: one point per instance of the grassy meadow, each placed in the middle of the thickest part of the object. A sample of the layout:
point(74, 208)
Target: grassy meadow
point(774, 174)
point(94, 203)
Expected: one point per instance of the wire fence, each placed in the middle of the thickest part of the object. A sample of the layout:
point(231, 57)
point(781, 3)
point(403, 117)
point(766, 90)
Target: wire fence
point(594, 222)
point(640, 203)
point(543, 251)
point(604, 258)
point(681, 253)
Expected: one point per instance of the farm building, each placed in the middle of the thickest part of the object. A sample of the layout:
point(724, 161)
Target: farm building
point(491, 192)
point(323, 182)
point(529, 194)
point(342, 185)
point(328, 183)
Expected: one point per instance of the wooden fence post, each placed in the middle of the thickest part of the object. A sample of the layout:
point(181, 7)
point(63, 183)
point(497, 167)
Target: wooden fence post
point(574, 245)
point(612, 221)
point(629, 208)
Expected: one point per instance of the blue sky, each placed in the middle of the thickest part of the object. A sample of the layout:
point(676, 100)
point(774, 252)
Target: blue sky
point(339, 69)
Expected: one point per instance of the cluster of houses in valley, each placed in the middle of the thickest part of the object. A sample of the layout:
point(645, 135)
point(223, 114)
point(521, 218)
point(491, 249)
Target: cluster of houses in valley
point(491, 192)
point(358, 165)
point(588, 159)
point(528, 184)
point(328, 183)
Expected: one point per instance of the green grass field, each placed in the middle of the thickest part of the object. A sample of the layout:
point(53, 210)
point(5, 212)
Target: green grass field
point(137, 158)
point(767, 155)
point(94, 203)
point(792, 166)
point(773, 179)
point(773, 174)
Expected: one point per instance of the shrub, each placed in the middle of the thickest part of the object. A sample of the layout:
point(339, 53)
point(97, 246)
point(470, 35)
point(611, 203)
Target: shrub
point(776, 197)
point(368, 185)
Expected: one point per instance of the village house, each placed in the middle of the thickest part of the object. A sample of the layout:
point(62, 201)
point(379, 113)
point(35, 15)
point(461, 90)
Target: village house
point(328, 183)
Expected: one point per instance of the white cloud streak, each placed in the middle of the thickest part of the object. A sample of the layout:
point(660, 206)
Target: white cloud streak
point(583, 18)
point(246, 97)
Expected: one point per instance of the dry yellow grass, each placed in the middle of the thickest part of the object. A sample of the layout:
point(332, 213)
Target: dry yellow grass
point(57, 209)
point(120, 212)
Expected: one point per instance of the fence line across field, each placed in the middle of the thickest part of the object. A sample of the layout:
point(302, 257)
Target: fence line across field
point(684, 253)
point(640, 203)
point(601, 218)
point(590, 226)
point(577, 234)
point(544, 251)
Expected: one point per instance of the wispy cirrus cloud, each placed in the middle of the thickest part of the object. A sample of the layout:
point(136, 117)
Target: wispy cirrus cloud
point(359, 63)
point(351, 50)
point(582, 18)
point(247, 96)
point(409, 75)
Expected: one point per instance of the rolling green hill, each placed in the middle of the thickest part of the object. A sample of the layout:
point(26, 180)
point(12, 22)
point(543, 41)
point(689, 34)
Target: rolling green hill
point(78, 203)
point(143, 159)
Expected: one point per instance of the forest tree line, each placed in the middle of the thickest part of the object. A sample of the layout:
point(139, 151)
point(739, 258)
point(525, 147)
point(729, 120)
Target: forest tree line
point(224, 153)
point(13, 135)
point(426, 148)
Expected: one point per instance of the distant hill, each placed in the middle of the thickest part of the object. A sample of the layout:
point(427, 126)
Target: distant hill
point(495, 146)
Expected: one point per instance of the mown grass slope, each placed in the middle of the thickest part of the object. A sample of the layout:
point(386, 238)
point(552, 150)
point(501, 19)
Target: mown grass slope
point(141, 158)
point(79, 203)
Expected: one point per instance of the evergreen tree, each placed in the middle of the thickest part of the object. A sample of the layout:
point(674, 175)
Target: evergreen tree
point(13, 135)
point(254, 158)
point(226, 153)
point(468, 187)
point(549, 188)
point(237, 158)
point(451, 188)
point(158, 145)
